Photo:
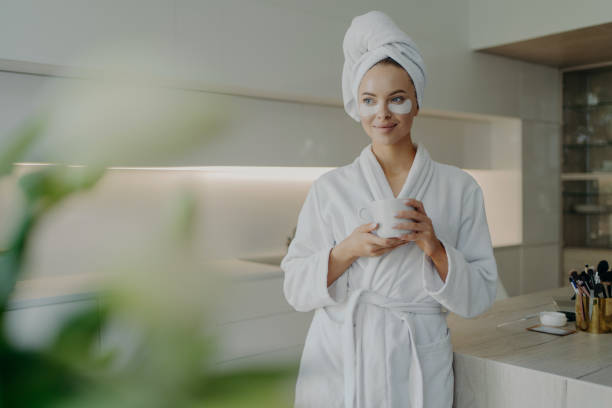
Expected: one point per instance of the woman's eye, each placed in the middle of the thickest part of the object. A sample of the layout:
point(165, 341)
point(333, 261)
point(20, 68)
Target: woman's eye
point(399, 98)
point(366, 100)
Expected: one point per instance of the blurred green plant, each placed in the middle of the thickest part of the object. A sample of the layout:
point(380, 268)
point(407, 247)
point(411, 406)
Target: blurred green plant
point(158, 299)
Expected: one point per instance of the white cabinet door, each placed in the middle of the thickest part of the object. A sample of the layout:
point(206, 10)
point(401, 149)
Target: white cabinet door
point(36, 327)
point(255, 323)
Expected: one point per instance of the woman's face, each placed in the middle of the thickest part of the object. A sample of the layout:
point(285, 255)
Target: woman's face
point(387, 104)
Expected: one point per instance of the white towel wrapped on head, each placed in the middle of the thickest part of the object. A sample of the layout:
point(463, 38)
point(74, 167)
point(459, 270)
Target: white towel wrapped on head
point(371, 38)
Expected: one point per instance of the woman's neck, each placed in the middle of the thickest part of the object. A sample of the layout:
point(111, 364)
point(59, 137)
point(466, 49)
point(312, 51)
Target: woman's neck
point(395, 159)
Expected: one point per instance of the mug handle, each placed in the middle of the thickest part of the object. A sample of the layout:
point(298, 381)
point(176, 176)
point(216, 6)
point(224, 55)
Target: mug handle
point(361, 213)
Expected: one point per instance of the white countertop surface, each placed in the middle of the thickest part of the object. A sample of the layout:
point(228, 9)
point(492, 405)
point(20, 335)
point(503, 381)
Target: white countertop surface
point(582, 355)
point(41, 291)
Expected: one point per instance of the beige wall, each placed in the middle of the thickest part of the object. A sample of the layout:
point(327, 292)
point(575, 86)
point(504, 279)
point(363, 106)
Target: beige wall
point(282, 62)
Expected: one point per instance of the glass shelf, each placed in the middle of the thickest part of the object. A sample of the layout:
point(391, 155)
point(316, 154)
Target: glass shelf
point(599, 105)
point(585, 194)
point(595, 245)
point(587, 213)
point(587, 145)
point(603, 176)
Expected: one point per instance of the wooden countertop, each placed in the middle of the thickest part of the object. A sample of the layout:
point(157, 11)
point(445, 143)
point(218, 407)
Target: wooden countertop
point(582, 355)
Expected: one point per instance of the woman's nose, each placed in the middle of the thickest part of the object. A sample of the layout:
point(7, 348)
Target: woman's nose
point(383, 111)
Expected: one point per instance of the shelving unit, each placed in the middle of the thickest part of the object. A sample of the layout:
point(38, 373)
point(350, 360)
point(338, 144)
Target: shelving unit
point(587, 161)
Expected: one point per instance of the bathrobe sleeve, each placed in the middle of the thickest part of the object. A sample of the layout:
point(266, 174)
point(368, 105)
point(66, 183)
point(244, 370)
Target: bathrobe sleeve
point(471, 283)
point(306, 264)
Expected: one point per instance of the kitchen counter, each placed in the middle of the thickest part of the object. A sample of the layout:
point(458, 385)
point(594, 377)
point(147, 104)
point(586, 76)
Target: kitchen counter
point(509, 366)
point(495, 367)
point(48, 290)
point(247, 321)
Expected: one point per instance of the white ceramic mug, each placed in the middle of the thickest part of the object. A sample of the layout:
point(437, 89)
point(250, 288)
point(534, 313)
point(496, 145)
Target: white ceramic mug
point(383, 212)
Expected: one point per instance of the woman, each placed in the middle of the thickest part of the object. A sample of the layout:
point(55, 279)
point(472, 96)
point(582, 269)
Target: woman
point(379, 337)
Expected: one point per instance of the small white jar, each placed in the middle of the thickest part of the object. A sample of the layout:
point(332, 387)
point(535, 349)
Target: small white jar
point(554, 319)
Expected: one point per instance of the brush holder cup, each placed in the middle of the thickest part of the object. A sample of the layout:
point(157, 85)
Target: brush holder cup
point(593, 315)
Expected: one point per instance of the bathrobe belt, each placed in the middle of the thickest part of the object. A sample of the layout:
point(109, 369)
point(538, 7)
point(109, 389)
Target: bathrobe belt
point(348, 338)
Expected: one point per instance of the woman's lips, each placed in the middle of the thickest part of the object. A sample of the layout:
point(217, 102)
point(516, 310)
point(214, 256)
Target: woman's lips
point(385, 128)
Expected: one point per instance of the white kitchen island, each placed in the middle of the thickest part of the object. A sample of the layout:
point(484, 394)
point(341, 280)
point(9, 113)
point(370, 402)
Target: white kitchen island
point(508, 366)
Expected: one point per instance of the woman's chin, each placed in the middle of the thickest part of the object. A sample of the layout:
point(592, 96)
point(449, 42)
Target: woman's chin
point(389, 139)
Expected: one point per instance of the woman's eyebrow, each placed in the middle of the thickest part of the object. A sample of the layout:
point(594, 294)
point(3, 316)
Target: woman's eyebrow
point(392, 93)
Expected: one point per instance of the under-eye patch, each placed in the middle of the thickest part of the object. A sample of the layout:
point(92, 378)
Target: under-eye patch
point(399, 108)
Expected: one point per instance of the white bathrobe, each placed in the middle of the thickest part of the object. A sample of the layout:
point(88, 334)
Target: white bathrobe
point(379, 336)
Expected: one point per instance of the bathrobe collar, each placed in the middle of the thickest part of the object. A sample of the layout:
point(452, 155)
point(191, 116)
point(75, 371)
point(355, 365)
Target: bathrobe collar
point(416, 182)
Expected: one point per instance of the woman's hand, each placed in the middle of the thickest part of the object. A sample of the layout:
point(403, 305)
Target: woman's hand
point(362, 242)
point(422, 229)
point(424, 235)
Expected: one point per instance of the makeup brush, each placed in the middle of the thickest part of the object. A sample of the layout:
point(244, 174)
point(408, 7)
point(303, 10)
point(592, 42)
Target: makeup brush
point(605, 275)
point(580, 285)
point(591, 274)
point(576, 291)
point(606, 279)
point(602, 267)
point(599, 289)
point(584, 278)
point(573, 285)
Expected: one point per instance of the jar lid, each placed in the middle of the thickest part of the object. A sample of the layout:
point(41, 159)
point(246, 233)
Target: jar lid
point(553, 318)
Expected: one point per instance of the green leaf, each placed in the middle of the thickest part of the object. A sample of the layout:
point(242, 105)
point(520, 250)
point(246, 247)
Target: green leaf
point(19, 142)
point(30, 379)
point(12, 258)
point(78, 338)
point(252, 388)
point(46, 187)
